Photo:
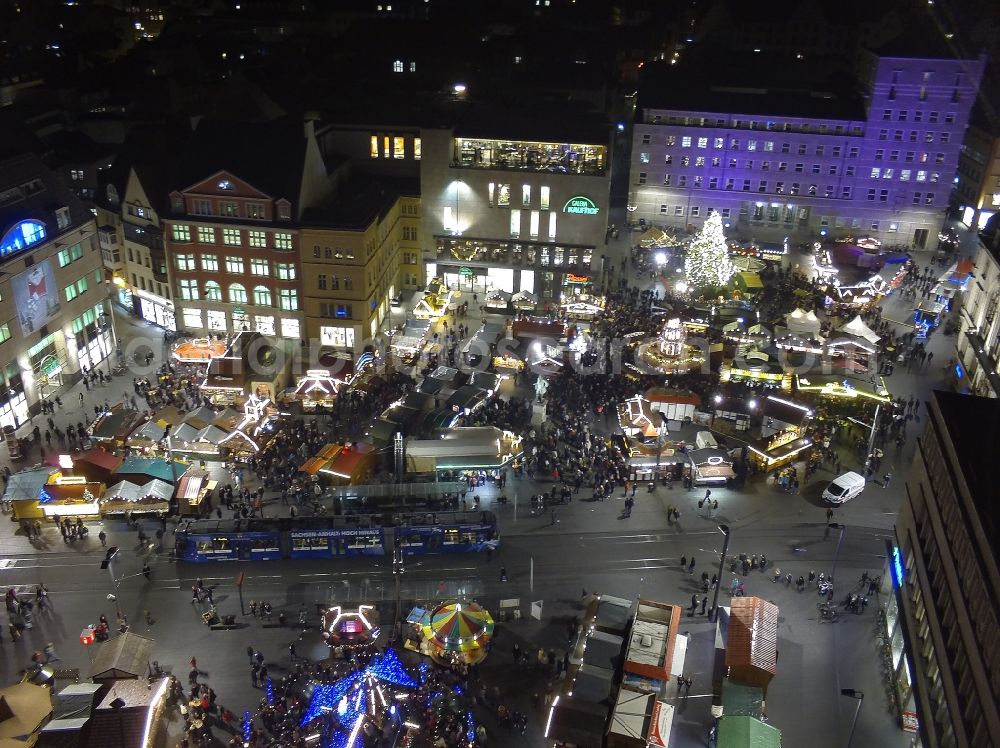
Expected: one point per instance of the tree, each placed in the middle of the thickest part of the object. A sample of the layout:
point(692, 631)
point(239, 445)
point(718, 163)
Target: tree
point(707, 262)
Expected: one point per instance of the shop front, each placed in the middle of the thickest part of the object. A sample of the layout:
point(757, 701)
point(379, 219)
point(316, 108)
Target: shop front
point(47, 359)
point(893, 635)
point(156, 309)
point(13, 403)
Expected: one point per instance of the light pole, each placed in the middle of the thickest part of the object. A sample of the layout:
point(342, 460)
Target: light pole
point(861, 699)
point(397, 572)
point(714, 614)
point(836, 554)
point(107, 563)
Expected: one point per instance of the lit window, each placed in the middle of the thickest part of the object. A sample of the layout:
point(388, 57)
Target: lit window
point(533, 225)
point(288, 299)
point(398, 146)
point(257, 238)
point(397, 66)
point(206, 235)
point(416, 149)
point(703, 142)
point(237, 293)
point(490, 189)
point(189, 289)
point(525, 195)
point(290, 328)
point(259, 267)
point(210, 263)
point(231, 237)
point(544, 198)
point(282, 240)
point(385, 146)
point(374, 147)
point(448, 219)
point(515, 223)
point(552, 225)
point(262, 296)
point(184, 262)
point(213, 291)
point(686, 142)
point(234, 265)
point(182, 233)
point(284, 271)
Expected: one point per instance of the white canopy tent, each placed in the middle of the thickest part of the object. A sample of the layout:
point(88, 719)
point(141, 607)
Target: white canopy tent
point(859, 329)
point(801, 322)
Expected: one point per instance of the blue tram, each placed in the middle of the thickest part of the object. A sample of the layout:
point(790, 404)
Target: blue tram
point(336, 537)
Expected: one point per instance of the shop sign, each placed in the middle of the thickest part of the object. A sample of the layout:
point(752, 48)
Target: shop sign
point(897, 568)
point(577, 278)
point(21, 236)
point(581, 205)
point(909, 722)
point(465, 271)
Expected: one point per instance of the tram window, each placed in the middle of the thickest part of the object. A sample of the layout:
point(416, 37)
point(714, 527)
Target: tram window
point(469, 537)
point(451, 535)
point(222, 545)
point(263, 544)
point(205, 546)
point(409, 540)
point(365, 541)
point(307, 544)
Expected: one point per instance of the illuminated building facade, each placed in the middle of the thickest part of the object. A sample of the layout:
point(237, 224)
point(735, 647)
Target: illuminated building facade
point(511, 209)
point(802, 159)
point(54, 313)
point(975, 372)
point(942, 579)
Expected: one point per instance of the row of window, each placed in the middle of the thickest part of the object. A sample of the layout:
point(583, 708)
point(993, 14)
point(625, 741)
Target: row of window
point(772, 213)
point(333, 253)
point(72, 254)
point(233, 237)
point(236, 265)
point(87, 319)
point(336, 311)
point(753, 124)
point(767, 146)
point(901, 115)
point(534, 221)
point(922, 157)
point(763, 185)
point(195, 319)
point(73, 290)
point(502, 194)
point(334, 282)
point(230, 208)
point(288, 298)
point(393, 146)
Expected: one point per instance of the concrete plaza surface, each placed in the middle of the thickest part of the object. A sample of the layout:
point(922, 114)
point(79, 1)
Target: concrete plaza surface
point(591, 548)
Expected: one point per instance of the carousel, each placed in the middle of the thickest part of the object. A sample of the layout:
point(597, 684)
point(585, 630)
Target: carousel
point(670, 353)
point(456, 632)
point(198, 350)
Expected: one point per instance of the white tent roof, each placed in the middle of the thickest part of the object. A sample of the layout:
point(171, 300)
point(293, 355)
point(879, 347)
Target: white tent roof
point(858, 328)
point(801, 321)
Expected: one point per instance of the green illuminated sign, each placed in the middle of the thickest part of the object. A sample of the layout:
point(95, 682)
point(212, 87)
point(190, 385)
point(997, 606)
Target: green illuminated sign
point(581, 205)
point(465, 271)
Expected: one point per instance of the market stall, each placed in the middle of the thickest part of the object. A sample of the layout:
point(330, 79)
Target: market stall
point(409, 341)
point(637, 418)
point(435, 301)
point(317, 389)
point(498, 300)
point(152, 497)
point(67, 497)
point(114, 426)
point(524, 301)
point(581, 306)
point(96, 464)
point(22, 491)
point(198, 350)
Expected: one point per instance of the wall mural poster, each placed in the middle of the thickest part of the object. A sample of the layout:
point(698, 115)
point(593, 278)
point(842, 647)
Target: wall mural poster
point(36, 295)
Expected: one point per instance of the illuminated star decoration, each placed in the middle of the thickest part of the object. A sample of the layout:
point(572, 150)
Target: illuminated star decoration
point(358, 696)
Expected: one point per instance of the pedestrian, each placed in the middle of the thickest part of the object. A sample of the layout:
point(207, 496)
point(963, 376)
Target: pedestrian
point(684, 562)
point(555, 517)
point(50, 652)
point(147, 572)
point(103, 537)
point(885, 480)
point(694, 604)
point(503, 573)
point(829, 515)
point(194, 663)
point(691, 566)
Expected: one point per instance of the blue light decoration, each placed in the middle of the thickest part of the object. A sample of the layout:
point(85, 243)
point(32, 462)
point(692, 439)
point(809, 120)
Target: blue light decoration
point(44, 497)
point(898, 571)
point(424, 672)
point(20, 236)
point(247, 727)
point(349, 697)
point(269, 690)
point(470, 733)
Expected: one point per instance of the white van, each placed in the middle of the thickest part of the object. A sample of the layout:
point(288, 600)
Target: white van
point(844, 488)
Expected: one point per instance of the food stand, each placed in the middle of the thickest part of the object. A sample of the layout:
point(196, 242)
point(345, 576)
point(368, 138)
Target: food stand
point(498, 300)
point(67, 497)
point(23, 487)
point(410, 341)
point(114, 426)
point(524, 301)
point(194, 492)
point(317, 389)
point(198, 350)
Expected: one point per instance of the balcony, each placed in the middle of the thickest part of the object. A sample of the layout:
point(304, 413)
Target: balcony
point(148, 236)
point(107, 237)
point(989, 366)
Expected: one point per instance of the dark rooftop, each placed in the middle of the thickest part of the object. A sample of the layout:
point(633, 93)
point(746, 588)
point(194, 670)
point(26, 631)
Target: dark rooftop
point(973, 425)
point(763, 84)
point(567, 123)
point(359, 201)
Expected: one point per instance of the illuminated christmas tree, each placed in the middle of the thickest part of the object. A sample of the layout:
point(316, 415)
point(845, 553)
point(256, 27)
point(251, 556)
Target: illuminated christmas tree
point(707, 262)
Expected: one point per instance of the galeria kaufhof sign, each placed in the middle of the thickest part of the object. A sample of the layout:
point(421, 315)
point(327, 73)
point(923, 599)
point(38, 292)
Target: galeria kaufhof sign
point(581, 205)
point(21, 236)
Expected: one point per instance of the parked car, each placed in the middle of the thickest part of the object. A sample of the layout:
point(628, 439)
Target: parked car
point(844, 488)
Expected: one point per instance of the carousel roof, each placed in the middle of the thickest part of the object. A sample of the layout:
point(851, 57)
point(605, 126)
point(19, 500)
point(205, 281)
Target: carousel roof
point(458, 627)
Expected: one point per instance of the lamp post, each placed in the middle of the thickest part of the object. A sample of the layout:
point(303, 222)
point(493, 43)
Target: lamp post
point(850, 692)
point(107, 563)
point(397, 572)
point(714, 614)
point(836, 554)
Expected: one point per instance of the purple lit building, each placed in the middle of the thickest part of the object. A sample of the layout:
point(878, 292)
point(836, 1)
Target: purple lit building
point(802, 148)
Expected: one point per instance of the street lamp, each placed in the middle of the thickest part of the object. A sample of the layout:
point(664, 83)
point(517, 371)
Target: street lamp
point(836, 555)
point(850, 692)
point(714, 614)
point(397, 572)
point(109, 557)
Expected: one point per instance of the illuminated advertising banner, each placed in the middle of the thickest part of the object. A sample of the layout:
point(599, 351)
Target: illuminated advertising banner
point(21, 236)
point(36, 295)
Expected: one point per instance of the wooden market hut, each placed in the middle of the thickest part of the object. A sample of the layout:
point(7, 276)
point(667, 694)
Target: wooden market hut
point(752, 642)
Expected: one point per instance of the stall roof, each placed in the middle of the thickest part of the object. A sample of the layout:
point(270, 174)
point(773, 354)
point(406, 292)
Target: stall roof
point(382, 430)
point(201, 417)
point(124, 727)
point(458, 442)
point(593, 684)
point(116, 423)
point(101, 459)
point(350, 459)
point(603, 650)
point(430, 386)
point(451, 377)
point(739, 700)
point(753, 634)
point(153, 467)
point(467, 398)
point(23, 709)
point(151, 430)
point(486, 380)
point(613, 614)
point(746, 732)
point(134, 492)
point(418, 400)
point(576, 722)
point(185, 432)
point(632, 714)
point(665, 395)
point(26, 484)
point(801, 321)
point(785, 411)
point(125, 656)
point(213, 435)
point(314, 464)
point(401, 490)
point(858, 328)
